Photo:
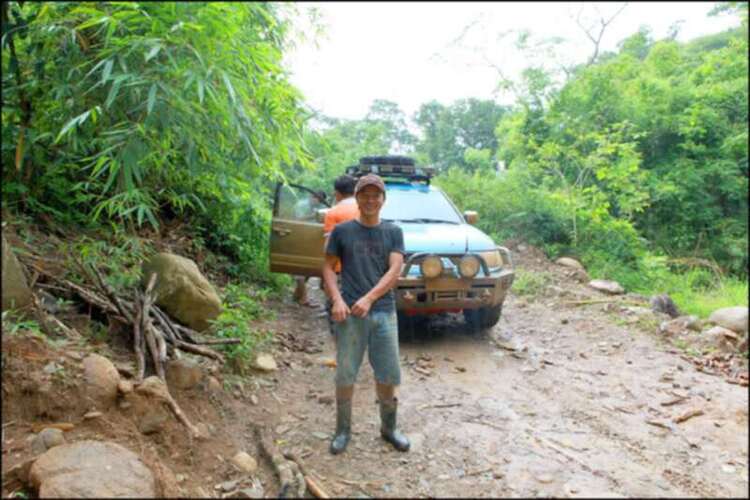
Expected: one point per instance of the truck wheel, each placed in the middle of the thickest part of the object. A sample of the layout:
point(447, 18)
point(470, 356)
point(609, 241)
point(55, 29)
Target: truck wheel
point(409, 326)
point(483, 318)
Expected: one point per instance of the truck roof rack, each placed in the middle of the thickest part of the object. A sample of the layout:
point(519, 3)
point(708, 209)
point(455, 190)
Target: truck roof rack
point(391, 166)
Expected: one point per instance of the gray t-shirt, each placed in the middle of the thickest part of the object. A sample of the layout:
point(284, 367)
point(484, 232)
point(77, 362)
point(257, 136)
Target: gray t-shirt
point(364, 253)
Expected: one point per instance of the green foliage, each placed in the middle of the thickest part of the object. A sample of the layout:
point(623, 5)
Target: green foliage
point(14, 324)
point(118, 258)
point(131, 112)
point(242, 306)
point(655, 135)
point(450, 131)
point(529, 283)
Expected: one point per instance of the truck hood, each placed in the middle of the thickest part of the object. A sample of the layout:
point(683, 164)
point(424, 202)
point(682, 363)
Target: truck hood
point(444, 238)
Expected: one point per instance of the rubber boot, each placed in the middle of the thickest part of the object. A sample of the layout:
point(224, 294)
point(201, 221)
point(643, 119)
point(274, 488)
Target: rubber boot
point(343, 426)
point(388, 410)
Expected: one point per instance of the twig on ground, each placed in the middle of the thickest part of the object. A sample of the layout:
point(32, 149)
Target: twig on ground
point(687, 415)
point(316, 490)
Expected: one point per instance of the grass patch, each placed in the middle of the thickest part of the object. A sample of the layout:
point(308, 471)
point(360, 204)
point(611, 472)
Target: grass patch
point(242, 306)
point(14, 324)
point(529, 283)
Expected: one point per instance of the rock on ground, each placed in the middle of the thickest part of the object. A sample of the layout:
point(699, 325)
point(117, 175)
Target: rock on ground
point(91, 469)
point(610, 287)
point(568, 262)
point(183, 373)
point(265, 362)
point(182, 290)
point(46, 439)
point(102, 380)
point(732, 318)
point(721, 338)
point(245, 462)
point(16, 291)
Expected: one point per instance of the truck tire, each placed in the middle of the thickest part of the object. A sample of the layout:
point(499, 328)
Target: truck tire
point(483, 318)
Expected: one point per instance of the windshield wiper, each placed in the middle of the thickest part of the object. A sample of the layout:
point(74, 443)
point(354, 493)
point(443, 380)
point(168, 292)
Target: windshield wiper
point(428, 220)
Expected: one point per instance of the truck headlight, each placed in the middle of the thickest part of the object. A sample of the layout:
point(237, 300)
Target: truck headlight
point(431, 266)
point(492, 258)
point(468, 266)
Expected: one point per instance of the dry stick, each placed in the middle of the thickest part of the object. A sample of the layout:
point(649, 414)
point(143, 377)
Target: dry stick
point(162, 316)
point(290, 477)
point(688, 415)
point(148, 330)
point(316, 490)
point(600, 301)
point(137, 347)
point(109, 292)
point(158, 389)
point(218, 341)
point(203, 351)
point(186, 332)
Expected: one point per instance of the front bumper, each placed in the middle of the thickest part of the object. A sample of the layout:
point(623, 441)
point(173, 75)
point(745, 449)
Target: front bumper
point(450, 292)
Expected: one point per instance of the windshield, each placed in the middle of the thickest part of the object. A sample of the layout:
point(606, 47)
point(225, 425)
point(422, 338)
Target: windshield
point(418, 205)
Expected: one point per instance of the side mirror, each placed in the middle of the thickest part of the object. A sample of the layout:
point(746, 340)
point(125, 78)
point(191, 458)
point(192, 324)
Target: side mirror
point(320, 214)
point(471, 216)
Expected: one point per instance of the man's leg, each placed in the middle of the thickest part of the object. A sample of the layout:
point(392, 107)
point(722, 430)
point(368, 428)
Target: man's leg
point(350, 349)
point(384, 358)
point(300, 291)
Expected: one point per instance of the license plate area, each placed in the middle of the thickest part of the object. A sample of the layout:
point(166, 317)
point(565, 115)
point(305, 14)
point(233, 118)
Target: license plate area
point(443, 284)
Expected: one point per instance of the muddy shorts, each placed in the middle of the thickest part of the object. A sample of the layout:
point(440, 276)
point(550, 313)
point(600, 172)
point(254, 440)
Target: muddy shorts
point(378, 333)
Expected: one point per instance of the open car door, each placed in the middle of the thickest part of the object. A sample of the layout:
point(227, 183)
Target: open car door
point(296, 235)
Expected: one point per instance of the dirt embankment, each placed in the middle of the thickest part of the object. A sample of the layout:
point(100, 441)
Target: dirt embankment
point(558, 399)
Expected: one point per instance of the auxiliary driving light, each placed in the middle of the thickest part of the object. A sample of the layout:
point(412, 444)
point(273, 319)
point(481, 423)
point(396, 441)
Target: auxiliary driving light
point(431, 266)
point(469, 266)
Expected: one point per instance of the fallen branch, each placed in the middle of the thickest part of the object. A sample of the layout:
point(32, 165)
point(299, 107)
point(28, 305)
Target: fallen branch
point(441, 405)
point(293, 484)
point(316, 490)
point(218, 341)
point(600, 301)
point(154, 386)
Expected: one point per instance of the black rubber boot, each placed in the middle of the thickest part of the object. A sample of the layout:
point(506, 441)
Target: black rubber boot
point(388, 410)
point(343, 426)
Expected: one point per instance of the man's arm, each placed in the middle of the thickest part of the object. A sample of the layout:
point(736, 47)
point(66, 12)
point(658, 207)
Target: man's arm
point(340, 310)
point(388, 281)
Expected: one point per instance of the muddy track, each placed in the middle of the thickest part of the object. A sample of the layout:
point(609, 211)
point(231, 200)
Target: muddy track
point(554, 401)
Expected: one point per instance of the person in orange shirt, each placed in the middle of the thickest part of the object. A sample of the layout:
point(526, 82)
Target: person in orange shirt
point(344, 210)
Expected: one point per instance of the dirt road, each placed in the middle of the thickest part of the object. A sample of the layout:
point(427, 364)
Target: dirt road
point(554, 401)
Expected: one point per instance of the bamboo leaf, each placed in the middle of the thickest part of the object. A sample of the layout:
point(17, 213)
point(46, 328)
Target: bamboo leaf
point(229, 86)
point(200, 91)
point(153, 52)
point(151, 98)
point(107, 70)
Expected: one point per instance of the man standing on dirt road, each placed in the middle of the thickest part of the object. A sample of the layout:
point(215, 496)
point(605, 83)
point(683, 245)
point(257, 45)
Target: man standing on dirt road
point(364, 310)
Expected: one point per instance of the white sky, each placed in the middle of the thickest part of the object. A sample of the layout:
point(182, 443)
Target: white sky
point(403, 52)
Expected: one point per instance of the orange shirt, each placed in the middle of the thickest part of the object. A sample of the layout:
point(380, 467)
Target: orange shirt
point(343, 211)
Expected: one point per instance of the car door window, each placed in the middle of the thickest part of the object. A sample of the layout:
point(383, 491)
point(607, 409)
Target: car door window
point(297, 203)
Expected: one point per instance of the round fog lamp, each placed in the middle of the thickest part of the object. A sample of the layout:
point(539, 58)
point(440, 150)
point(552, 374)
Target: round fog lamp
point(431, 266)
point(469, 266)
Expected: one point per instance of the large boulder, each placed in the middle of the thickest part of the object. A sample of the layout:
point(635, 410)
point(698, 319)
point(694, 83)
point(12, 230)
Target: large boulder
point(732, 318)
point(91, 469)
point(102, 380)
point(16, 291)
point(182, 290)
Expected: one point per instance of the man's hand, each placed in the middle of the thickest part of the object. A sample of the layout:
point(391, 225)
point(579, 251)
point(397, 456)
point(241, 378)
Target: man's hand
point(339, 311)
point(362, 307)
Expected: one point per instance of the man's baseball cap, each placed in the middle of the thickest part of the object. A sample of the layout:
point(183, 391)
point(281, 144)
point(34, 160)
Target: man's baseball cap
point(369, 180)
